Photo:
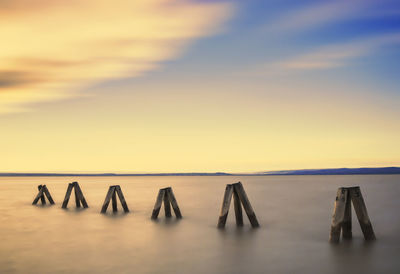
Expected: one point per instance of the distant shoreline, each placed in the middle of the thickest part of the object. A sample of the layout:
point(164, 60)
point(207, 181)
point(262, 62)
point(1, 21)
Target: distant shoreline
point(331, 171)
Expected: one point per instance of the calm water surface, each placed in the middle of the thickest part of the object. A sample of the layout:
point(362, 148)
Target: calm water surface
point(294, 213)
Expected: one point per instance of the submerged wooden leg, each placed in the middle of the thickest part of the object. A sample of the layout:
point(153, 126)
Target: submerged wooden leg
point(246, 204)
point(81, 197)
point(110, 192)
point(167, 205)
point(158, 203)
point(338, 215)
point(77, 196)
point(42, 198)
point(47, 193)
point(114, 202)
point(226, 202)
point(67, 195)
point(174, 203)
point(122, 199)
point(362, 214)
point(238, 208)
point(38, 196)
point(346, 225)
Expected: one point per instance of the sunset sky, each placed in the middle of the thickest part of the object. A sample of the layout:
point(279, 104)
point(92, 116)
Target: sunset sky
point(198, 86)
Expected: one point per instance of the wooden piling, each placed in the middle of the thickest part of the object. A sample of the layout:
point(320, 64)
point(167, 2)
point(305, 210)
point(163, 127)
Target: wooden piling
point(341, 219)
point(238, 208)
point(110, 192)
point(122, 199)
point(42, 198)
point(167, 205)
point(174, 203)
point(362, 214)
point(157, 205)
point(346, 225)
point(166, 196)
point(79, 198)
point(48, 195)
point(67, 195)
point(114, 202)
point(246, 204)
point(38, 196)
point(226, 202)
point(43, 192)
point(338, 214)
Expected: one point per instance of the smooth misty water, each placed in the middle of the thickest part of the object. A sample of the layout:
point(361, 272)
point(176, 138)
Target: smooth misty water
point(294, 213)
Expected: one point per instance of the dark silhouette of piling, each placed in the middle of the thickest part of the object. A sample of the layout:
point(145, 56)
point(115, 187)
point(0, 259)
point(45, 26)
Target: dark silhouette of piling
point(240, 198)
point(341, 219)
point(167, 196)
point(112, 193)
point(79, 198)
point(43, 192)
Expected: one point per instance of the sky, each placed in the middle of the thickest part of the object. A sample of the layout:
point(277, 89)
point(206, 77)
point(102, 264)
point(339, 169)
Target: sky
point(198, 86)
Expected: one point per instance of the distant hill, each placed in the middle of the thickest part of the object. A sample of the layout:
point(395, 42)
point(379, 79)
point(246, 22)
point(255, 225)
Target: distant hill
point(336, 171)
point(329, 171)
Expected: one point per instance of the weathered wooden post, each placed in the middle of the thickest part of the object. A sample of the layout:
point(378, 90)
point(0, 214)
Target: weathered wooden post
point(240, 198)
point(341, 219)
point(112, 193)
point(43, 191)
point(79, 198)
point(167, 196)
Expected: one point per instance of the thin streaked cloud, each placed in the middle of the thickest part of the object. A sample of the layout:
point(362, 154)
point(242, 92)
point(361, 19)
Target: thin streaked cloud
point(317, 15)
point(333, 56)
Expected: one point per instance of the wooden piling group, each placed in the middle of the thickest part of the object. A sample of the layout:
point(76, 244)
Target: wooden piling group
point(167, 196)
point(239, 198)
point(341, 219)
point(112, 194)
point(79, 198)
point(43, 191)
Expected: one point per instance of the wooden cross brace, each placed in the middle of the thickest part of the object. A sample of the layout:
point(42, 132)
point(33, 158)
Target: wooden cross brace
point(43, 191)
point(341, 219)
point(239, 197)
point(112, 194)
point(79, 198)
point(167, 196)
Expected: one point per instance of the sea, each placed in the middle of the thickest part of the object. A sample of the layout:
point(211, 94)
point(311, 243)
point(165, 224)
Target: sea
point(294, 213)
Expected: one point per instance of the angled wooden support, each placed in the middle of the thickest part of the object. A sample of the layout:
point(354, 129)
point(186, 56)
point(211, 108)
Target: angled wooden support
point(239, 198)
point(43, 192)
point(112, 193)
point(167, 196)
point(79, 198)
point(341, 219)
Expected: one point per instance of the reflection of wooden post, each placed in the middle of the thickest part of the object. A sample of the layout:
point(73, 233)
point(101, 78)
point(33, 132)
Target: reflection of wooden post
point(167, 196)
point(240, 197)
point(43, 191)
point(79, 198)
point(341, 219)
point(112, 193)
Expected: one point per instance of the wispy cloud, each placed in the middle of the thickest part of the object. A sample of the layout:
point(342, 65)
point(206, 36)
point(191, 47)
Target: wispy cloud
point(333, 56)
point(320, 14)
point(51, 48)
